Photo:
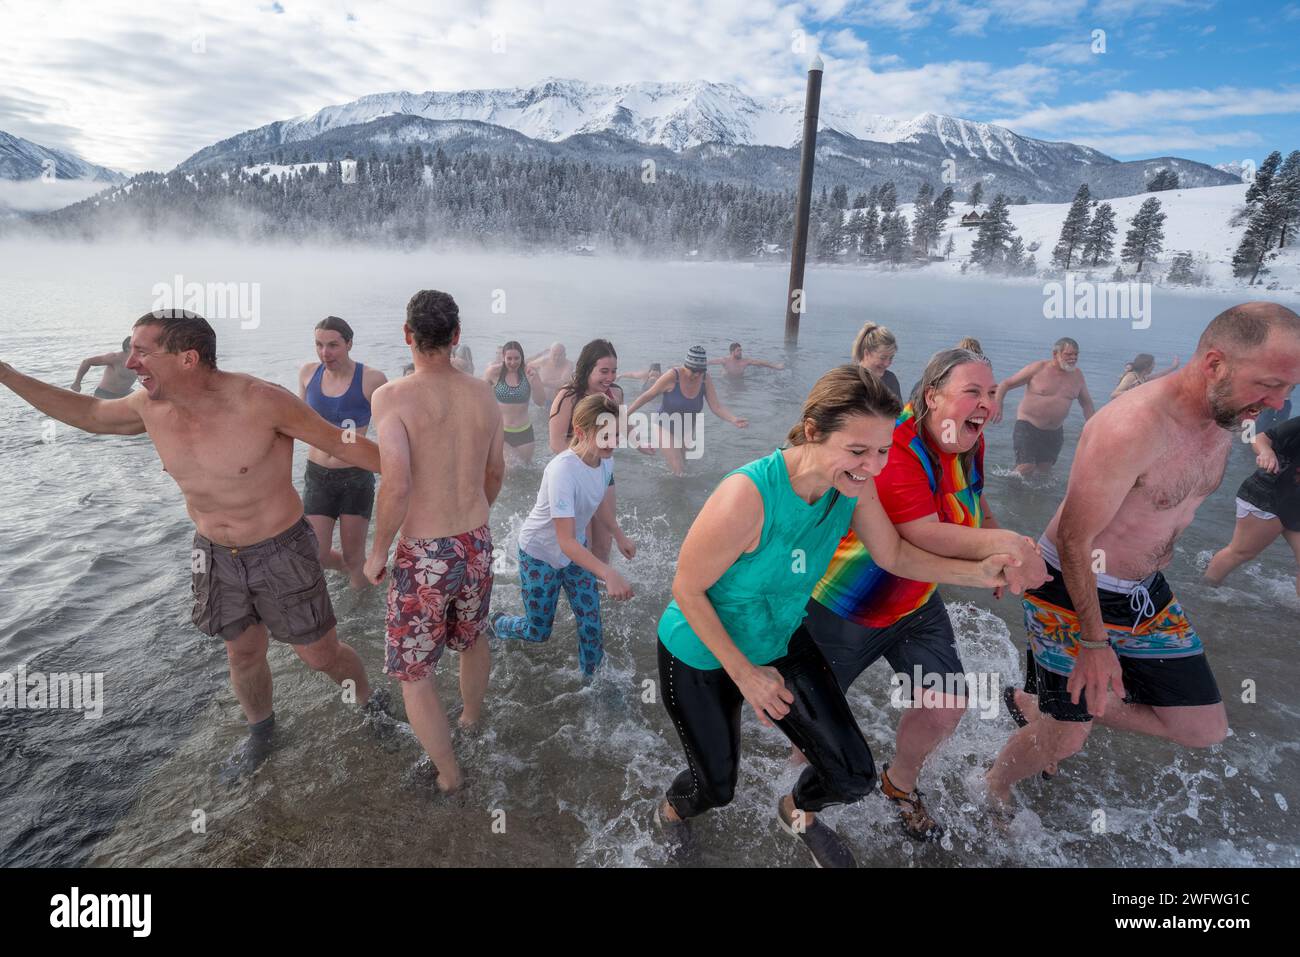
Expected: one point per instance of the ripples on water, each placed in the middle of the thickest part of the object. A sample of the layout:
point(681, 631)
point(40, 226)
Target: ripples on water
point(94, 577)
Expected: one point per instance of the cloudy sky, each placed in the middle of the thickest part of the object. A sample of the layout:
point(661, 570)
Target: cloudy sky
point(143, 84)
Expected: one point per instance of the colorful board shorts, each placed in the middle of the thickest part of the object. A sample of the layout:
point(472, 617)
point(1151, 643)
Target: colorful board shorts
point(520, 435)
point(1035, 446)
point(438, 597)
point(1162, 660)
point(335, 492)
point(277, 582)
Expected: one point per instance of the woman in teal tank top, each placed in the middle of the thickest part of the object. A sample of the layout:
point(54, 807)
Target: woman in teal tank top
point(733, 632)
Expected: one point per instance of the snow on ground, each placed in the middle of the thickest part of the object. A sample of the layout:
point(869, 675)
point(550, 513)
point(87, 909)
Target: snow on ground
point(267, 170)
point(1196, 221)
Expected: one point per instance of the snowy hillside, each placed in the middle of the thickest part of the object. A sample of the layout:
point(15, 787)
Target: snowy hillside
point(1196, 222)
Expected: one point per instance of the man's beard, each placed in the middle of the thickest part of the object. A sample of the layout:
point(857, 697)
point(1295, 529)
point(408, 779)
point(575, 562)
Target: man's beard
point(1225, 417)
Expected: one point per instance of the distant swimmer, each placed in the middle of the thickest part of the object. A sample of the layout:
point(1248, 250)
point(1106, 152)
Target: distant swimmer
point(594, 374)
point(117, 378)
point(227, 441)
point(340, 390)
point(1107, 638)
point(1138, 371)
point(1268, 503)
point(462, 359)
point(734, 631)
point(685, 389)
point(440, 438)
point(553, 367)
point(734, 362)
point(553, 552)
point(1051, 386)
point(874, 349)
point(647, 377)
point(516, 386)
point(932, 489)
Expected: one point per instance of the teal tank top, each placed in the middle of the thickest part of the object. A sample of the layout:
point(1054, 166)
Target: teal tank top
point(761, 599)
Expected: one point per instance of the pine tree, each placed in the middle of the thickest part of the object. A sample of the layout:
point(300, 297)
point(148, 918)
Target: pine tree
point(1288, 183)
point(976, 194)
point(1263, 181)
point(860, 201)
point(840, 197)
point(887, 198)
point(869, 241)
point(1073, 230)
point(995, 232)
point(943, 205)
point(948, 247)
point(1016, 254)
point(1146, 236)
point(923, 219)
point(1166, 179)
point(1180, 272)
point(894, 234)
point(1099, 238)
point(1266, 222)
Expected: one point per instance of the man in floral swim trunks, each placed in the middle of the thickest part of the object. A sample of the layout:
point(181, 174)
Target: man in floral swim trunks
point(439, 433)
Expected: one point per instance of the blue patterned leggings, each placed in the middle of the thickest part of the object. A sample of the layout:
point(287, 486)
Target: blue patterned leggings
point(541, 584)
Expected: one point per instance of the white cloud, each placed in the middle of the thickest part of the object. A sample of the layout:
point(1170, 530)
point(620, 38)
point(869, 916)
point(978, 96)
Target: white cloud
point(1123, 110)
point(1167, 140)
point(37, 195)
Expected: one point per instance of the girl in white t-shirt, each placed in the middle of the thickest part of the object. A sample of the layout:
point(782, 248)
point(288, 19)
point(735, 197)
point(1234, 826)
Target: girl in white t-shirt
point(551, 553)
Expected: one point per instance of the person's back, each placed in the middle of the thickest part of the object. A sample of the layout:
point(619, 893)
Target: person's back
point(451, 420)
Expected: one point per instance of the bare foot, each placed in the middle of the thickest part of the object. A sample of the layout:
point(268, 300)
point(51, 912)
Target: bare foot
point(1028, 705)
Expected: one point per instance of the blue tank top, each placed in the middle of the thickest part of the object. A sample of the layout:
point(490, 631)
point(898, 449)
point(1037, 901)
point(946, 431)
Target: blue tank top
point(337, 409)
point(508, 394)
point(677, 401)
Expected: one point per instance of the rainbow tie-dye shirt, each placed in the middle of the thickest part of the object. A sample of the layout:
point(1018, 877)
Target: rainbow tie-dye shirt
point(910, 487)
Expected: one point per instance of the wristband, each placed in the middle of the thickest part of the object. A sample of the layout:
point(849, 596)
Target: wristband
point(1093, 645)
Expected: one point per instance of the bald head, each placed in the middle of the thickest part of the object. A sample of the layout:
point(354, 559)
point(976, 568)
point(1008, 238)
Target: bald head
point(1244, 328)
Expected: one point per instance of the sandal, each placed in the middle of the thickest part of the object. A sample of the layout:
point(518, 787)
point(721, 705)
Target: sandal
point(916, 820)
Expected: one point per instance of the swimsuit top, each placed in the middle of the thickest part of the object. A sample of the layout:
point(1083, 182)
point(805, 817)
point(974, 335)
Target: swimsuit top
point(762, 598)
point(513, 394)
point(351, 406)
point(677, 401)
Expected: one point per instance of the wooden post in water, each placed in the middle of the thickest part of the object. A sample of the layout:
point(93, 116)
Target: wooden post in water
point(794, 299)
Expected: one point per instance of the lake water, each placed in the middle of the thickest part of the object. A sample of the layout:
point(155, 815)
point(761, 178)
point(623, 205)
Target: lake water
point(94, 577)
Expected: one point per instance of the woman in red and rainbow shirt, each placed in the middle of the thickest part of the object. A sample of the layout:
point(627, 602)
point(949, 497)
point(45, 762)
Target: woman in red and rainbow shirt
point(932, 489)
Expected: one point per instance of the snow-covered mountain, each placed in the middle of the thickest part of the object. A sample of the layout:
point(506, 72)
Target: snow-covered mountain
point(706, 123)
point(22, 159)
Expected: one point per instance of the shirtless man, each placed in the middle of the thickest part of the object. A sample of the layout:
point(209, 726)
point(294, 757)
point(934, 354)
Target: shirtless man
point(1051, 386)
point(1108, 640)
point(734, 363)
point(117, 380)
point(227, 441)
point(441, 585)
point(554, 368)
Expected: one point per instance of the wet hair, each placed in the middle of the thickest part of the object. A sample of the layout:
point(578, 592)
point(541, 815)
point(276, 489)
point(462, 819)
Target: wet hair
point(734, 346)
point(592, 352)
point(1142, 362)
point(656, 368)
point(871, 338)
point(335, 324)
point(843, 391)
point(511, 346)
point(1065, 342)
point(183, 331)
point(936, 375)
point(433, 318)
point(126, 344)
point(1245, 327)
point(971, 344)
point(587, 414)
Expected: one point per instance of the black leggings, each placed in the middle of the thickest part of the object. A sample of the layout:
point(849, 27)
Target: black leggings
point(705, 707)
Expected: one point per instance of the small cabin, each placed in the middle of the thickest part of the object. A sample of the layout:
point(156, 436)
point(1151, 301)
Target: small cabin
point(972, 219)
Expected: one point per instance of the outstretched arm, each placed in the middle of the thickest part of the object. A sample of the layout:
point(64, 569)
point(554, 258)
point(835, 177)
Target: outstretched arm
point(87, 364)
point(100, 416)
point(1007, 385)
point(295, 418)
point(659, 388)
point(720, 410)
point(1085, 402)
point(395, 490)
